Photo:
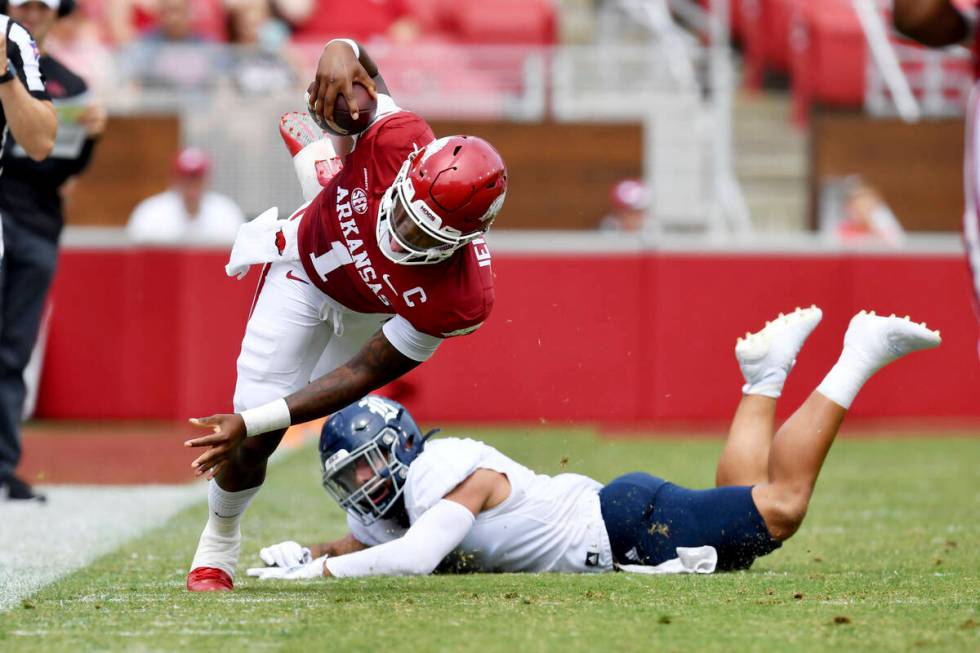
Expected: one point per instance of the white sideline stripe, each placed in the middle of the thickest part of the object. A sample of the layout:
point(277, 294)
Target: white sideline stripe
point(594, 242)
point(40, 543)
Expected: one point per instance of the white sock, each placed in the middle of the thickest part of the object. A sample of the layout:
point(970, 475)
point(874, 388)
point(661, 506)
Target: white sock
point(845, 378)
point(227, 506)
point(221, 539)
point(871, 342)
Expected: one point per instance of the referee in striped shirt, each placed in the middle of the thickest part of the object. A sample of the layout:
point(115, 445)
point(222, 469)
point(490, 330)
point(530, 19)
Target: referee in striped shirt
point(25, 108)
point(27, 114)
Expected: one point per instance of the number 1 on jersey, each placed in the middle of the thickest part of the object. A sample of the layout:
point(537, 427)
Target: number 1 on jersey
point(329, 261)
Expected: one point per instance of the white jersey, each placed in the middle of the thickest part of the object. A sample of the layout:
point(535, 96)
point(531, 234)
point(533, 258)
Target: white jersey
point(547, 523)
point(163, 220)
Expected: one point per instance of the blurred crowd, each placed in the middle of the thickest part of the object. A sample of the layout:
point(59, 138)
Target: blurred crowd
point(119, 22)
point(180, 43)
point(127, 49)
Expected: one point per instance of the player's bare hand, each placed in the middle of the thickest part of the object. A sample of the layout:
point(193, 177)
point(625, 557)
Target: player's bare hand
point(336, 73)
point(94, 119)
point(3, 56)
point(227, 432)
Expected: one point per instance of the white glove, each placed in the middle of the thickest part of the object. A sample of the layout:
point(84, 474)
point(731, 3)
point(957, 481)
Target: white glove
point(285, 554)
point(310, 570)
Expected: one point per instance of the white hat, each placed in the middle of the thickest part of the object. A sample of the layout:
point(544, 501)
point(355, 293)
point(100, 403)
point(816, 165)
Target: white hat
point(52, 4)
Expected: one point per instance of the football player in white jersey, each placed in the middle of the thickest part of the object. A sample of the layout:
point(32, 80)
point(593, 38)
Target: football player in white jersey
point(411, 503)
point(937, 24)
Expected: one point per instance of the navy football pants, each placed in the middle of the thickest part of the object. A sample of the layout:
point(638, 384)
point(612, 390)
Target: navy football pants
point(647, 518)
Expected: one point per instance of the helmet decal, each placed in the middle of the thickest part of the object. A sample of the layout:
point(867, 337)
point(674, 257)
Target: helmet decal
point(494, 208)
point(336, 458)
point(434, 147)
point(386, 410)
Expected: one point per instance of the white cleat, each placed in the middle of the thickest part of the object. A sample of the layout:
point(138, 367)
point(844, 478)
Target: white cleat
point(297, 131)
point(767, 356)
point(879, 340)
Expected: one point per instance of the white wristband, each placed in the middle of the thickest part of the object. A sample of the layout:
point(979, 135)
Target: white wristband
point(351, 42)
point(268, 417)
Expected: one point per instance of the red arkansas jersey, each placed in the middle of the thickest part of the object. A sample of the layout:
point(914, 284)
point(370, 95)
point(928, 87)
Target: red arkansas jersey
point(339, 250)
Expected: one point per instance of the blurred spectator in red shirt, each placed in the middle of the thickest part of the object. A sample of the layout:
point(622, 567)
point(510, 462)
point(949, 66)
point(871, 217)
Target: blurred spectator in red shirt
point(630, 199)
point(865, 217)
point(122, 20)
point(363, 20)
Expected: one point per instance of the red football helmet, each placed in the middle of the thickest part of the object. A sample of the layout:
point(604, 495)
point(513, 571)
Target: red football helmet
point(445, 195)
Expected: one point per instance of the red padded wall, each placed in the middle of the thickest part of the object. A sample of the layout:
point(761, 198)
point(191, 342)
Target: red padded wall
point(635, 337)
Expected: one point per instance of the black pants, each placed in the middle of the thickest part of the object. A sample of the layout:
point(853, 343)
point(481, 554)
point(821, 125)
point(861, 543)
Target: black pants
point(26, 272)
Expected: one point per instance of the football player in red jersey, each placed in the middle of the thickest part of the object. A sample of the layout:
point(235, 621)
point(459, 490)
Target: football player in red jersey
point(939, 23)
point(361, 284)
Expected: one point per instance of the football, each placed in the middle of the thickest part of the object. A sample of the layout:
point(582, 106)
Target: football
point(343, 124)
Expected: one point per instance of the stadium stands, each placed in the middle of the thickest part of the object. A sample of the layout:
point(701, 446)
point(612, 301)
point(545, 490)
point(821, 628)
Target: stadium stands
point(504, 21)
point(462, 21)
point(823, 49)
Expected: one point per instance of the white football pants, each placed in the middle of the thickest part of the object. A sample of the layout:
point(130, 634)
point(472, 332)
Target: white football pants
point(295, 333)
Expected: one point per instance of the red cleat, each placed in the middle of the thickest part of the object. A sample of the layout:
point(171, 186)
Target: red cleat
point(209, 579)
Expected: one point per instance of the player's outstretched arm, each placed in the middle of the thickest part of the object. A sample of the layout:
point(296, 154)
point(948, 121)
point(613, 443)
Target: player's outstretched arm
point(377, 364)
point(337, 72)
point(432, 536)
point(343, 546)
point(935, 23)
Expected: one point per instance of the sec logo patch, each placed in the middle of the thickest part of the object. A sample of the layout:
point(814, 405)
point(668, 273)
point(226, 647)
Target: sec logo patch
point(358, 200)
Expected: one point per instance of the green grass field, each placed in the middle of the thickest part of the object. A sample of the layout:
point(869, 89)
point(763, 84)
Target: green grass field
point(887, 561)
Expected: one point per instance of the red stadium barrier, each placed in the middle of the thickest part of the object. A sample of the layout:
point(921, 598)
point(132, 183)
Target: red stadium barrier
point(618, 338)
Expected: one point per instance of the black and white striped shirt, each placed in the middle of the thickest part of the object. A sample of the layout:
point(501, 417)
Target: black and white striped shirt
point(23, 55)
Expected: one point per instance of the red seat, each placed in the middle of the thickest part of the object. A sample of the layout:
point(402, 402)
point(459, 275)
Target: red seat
point(828, 57)
point(529, 22)
point(765, 33)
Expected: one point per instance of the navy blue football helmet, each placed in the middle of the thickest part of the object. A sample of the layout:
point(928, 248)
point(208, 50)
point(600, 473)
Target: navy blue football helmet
point(365, 452)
